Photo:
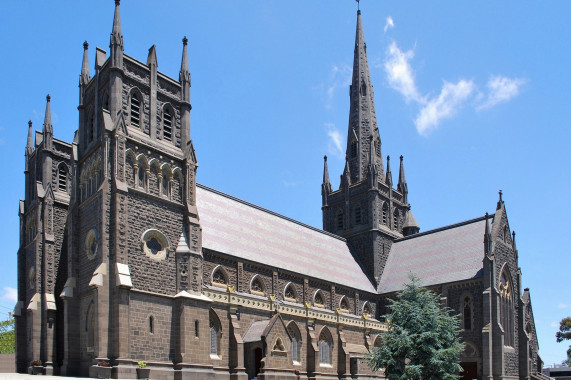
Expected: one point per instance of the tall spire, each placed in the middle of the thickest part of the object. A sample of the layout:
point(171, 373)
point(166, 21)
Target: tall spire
point(48, 129)
point(30, 144)
point(84, 76)
point(116, 41)
point(326, 185)
point(184, 75)
point(402, 186)
point(362, 115)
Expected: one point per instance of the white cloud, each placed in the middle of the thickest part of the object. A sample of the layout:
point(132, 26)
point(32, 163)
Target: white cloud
point(501, 89)
point(554, 324)
point(389, 24)
point(444, 106)
point(10, 294)
point(339, 77)
point(400, 74)
point(335, 146)
point(562, 305)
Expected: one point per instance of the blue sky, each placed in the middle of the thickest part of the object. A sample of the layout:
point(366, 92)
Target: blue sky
point(475, 95)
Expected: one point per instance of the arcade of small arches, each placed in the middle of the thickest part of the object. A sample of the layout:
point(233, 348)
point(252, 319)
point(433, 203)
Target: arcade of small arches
point(219, 278)
point(153, 176)
point(359, 217)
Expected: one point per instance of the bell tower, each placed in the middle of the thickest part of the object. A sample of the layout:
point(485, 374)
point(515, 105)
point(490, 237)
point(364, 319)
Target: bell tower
point(366, 209)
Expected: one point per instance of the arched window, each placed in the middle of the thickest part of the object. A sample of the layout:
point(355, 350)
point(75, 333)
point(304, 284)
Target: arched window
point(344, 305)
point(142, 174)
point(506, 234)
point(396, 219)
point(151, 324)
point(62, 178)
point(257, 286)
point(91, 126)
point(378, 341)
point(325, 343)
point(219, 277)
point(318, 299)
point(385, 213)
point(105, 101)
point(295, 348)
point(378, 147)
point(215, 334)
point(166, 185)
point(90, 325)
point(506, 308)
point(135, 109)
point(363, 88)
point(290, 293)
point(353, 148)
point(167, 123)
point(367, 309)
point(358, 218)
point(340, 220)
point(467, 313)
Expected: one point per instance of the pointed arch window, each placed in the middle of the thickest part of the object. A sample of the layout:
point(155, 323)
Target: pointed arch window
point(295, 347)
point(340, 220)
point(105, 101)
point(353, 148)
point(91, 131)
point(166, 184)
point(167, 123)
point(90, 325)
point(358, 216)
point(396, 219)
point(385, 212)
point(290, 293)
point(367, 309)
point(135, 109)
point(151, 324)
point(344, 305)
point(142, 174)
point(62, 178)
point(318, 300)
point(506, 308)
point(215, 335)
point(219, 278)
point(467, 313)
point(378, 147)
point(257, 286)
point(325, 343)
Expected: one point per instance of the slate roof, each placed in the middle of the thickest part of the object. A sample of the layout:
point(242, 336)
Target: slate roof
point(439, 256)
point(256, 330)
point(237, 228)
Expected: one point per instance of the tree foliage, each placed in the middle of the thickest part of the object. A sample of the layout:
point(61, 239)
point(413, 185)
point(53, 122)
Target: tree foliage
point(7, 336)
point(422, 341)
point(564, 333)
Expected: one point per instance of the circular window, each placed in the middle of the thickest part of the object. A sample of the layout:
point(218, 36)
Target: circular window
point(91, 245)
point(155, 244)
point(32, 277)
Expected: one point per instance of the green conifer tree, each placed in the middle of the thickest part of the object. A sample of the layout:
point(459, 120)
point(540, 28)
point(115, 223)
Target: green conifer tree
point(7, 336)
point(422, 341)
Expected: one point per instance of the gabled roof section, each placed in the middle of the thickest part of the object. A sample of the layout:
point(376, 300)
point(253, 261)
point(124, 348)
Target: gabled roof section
point(237, 228)
point(447, 254)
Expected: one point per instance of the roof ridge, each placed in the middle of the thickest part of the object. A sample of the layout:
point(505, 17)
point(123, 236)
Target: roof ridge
point(439, 229)
point(218, 192)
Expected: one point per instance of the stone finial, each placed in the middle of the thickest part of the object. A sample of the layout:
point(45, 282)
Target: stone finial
point(184, 40)
point(85, 45)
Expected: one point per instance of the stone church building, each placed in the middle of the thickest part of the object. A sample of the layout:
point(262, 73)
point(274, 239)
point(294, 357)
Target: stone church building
point(124, 257)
